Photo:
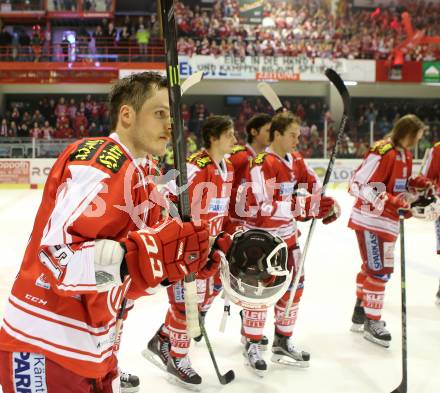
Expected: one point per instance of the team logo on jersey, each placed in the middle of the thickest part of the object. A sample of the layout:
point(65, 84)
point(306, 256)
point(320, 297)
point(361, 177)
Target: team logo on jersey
point(400, 185)
point(42, 282)
point(218, 205)
point(382, 147)
point(29, 372)
point(259, 159)
point(112, 157)
point(237, 148)
point(86, 150)
point(287, 188)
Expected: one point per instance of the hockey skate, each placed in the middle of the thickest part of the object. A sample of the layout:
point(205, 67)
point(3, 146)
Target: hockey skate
point(158, 350)
point(253, 359)
point(129, 383)
point(284, 352)
point(437, 297)
point(182, 374)
point(376, 332)
point(264, 342)
point(358, 317)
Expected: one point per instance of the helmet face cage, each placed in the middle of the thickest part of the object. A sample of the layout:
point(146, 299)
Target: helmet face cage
point(254, 272)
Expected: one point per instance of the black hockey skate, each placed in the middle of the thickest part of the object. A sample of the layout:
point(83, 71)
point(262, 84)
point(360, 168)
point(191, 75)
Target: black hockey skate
point(202, 317)
point(158, 350)
point(182, 374)
point(358, 317)
point(129, 383)
point(376, 332)
point(264, 342)
point(253, 359)
point(284, 352)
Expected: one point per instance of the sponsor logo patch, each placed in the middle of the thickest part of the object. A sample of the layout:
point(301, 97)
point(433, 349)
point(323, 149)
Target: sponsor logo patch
point(400, 185)
point(373, 251)
point(29, 372)
point(218, 205)
point(86, 150)
point(112, 157)
point(287, 188)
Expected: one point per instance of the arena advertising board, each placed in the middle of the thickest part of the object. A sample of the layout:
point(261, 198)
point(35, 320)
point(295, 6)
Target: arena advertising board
point(251, 11)
point(431, 71)
point(276, 68)
point(14, 171)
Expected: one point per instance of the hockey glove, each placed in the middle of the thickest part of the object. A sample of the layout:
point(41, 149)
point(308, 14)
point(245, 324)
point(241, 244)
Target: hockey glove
point(222, 243)
point(419, 184)
point(333, 214)
point(171, 253)
point(317, 206)
point(396, 203)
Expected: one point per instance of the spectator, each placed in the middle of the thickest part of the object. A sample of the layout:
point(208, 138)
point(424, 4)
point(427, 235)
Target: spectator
point(143, 38)
point(13, 131)
point(47, 130)
point(5, 44)
point(80, 120)
point(35, 131)
point(23, 131)
point(93, 130)
point(4, 129)
point(65, 49)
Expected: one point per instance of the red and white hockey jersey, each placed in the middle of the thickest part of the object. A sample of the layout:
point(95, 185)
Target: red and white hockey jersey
point(385, 168)
point(431, 169)
point(209, 189)
point(240, 158)
point(95, 190)
point(274, 180)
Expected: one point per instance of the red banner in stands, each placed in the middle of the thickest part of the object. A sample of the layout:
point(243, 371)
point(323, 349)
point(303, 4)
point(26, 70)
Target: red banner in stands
point(411, 71)
point(14, 172)
point(66, 72)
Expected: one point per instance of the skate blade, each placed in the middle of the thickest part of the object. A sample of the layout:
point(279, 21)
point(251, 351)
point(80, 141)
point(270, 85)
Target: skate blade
point(260, 373)
point(382, 343)
point(357, 328)
point(153, 359)
point(188, 386)
point(130, 390)
point(262, 347)
point(285, 361)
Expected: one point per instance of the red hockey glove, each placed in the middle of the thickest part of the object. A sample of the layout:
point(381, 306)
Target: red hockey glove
point(172, 253)
point(395, 203)
point(318, 206)
point(333, 214)
point(222, 243)
point(419, 183)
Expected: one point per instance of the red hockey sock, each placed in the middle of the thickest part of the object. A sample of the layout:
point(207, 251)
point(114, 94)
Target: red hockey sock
point(374, 290)
point(360, 279)
point(253, 323)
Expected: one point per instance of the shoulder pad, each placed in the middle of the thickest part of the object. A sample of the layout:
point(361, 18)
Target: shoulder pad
point(111, 157)
point(437, 144)
point(200, 159)
point(86, 150)
point(259, 159)
point(237, 149)
point(382, 147)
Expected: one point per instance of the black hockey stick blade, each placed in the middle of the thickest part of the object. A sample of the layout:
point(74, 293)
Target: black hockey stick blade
point(400, 389)
point(337, 82)
point(228, 377)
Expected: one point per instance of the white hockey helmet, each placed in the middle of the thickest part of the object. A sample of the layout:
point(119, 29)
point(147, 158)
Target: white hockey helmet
point(426, 208)
point(254, 271)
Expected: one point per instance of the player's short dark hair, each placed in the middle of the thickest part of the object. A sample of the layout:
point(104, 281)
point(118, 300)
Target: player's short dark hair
point(280, 122)
point(407, 125)
point(133, 90)
point(256, 122)
point(214, 126)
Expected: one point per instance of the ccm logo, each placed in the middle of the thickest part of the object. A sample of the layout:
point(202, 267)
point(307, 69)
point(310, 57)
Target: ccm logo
point(35, 299)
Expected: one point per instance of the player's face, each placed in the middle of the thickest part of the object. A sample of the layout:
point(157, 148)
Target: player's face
point(152, 131)
point(227, 141)
point(410, 142)
point(290, 138)
point(262, 138)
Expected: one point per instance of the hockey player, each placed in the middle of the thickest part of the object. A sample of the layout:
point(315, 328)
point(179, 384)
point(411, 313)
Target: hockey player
point(97, 239)
point(278, 177)
point(257, 130)
point(210, 178)
point(431, 170)
point(380, 185)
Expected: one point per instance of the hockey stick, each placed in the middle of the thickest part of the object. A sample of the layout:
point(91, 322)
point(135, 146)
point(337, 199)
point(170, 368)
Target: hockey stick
point(402, 388)
point(194, 327)
point(337, 82)
point(269, 94)
point(191, 81)
point(179, 150)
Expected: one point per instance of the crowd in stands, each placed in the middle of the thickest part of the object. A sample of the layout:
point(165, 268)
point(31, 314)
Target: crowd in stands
point(305, 28)
point(56, 119)
point(288, 28)
point(73, 118)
